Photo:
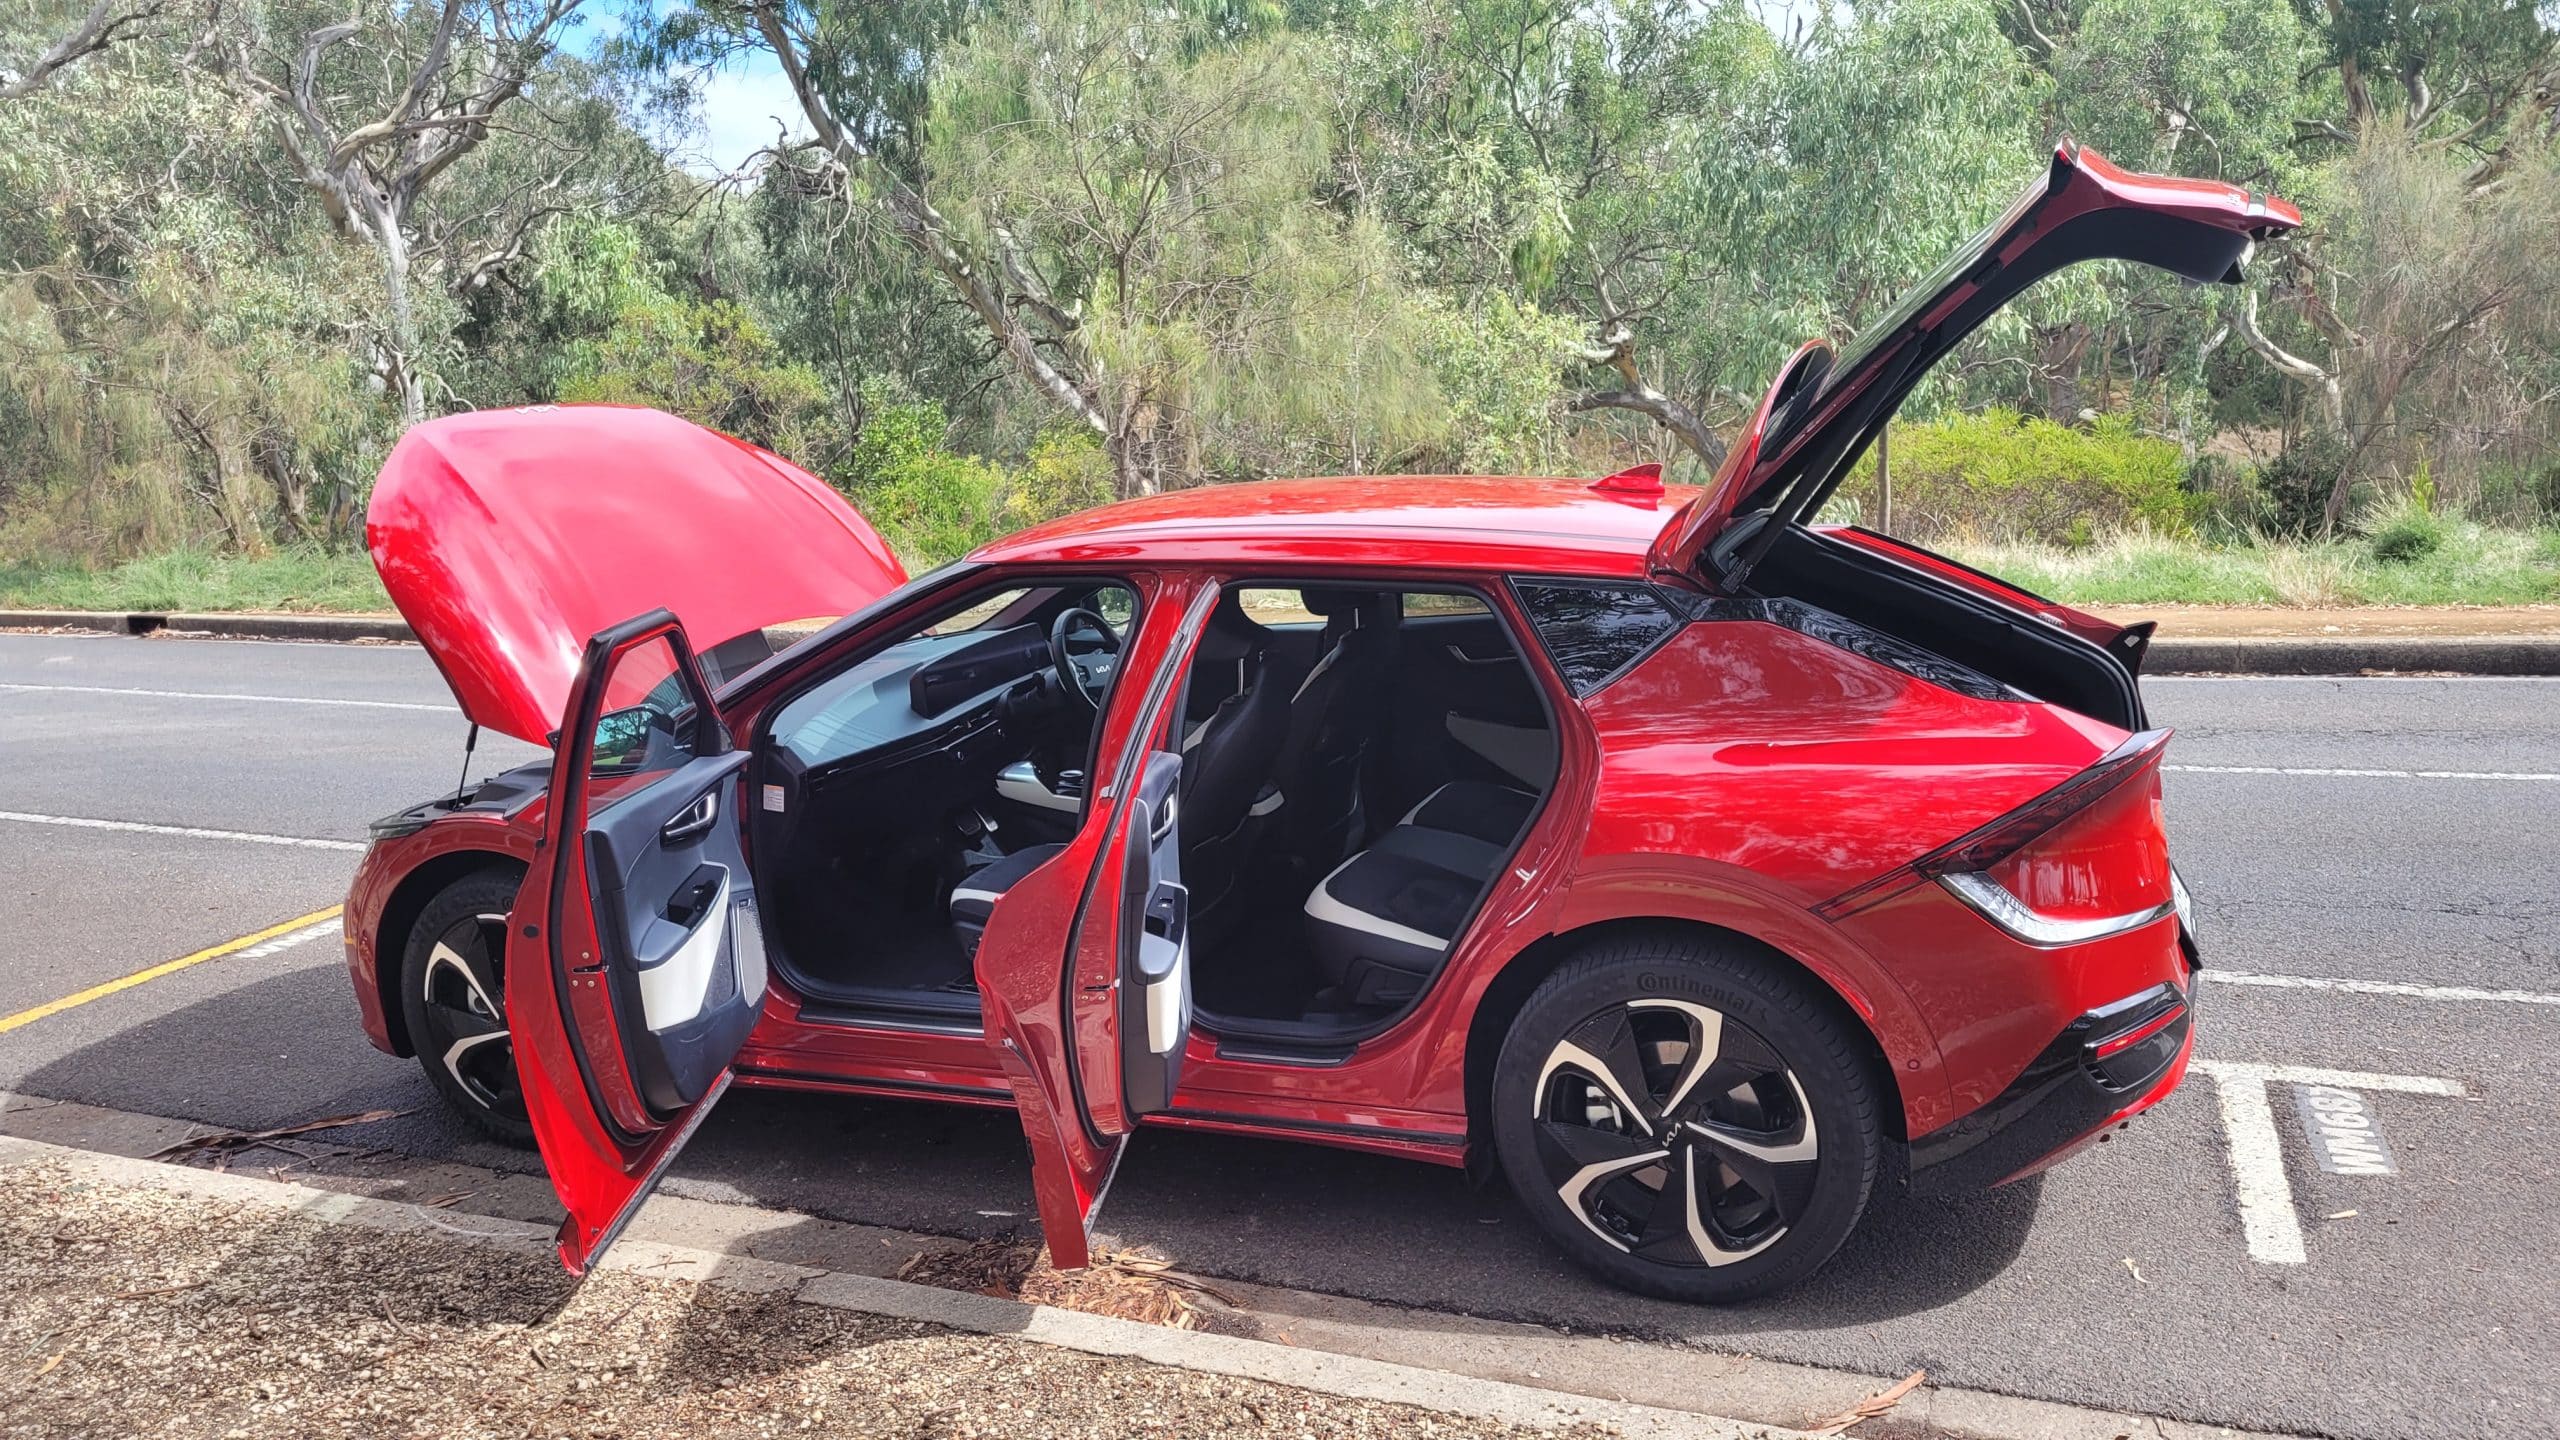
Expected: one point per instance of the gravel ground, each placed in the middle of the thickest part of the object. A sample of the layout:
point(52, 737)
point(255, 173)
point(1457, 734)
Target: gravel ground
point(134, 1313)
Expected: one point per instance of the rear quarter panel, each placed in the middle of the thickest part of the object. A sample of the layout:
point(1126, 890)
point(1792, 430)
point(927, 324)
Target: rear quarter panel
point(1745, 773)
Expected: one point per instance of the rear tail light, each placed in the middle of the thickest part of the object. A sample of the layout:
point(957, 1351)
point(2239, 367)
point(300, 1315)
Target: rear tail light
point(2067, 867)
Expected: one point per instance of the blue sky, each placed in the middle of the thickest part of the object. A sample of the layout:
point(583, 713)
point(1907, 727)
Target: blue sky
point(740, 101)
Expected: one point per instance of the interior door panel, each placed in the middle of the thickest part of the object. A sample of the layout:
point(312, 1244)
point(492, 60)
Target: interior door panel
point(1155, 942)
point(676, 912)
point(635, 966)
point(1465, 708)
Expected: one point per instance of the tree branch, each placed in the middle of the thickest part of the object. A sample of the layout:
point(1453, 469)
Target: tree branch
point(2289, 364)
point(100, 28)
point(1617, 351)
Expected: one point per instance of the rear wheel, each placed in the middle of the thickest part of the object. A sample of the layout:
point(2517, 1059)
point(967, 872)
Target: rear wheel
point(1685, 1119)
point(453, 993)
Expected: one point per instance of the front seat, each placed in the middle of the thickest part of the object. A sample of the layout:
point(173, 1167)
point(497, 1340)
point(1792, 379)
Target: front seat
point(975, 897)
point(1225, 767)
point(1334, 717)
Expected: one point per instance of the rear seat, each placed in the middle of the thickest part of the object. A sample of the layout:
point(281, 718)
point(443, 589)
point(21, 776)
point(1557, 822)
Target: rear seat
point(1383, 921)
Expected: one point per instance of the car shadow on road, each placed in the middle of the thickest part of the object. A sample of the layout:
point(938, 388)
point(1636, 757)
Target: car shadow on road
point(285, 1049)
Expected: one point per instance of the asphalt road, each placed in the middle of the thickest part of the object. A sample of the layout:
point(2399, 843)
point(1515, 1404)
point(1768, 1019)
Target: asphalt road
point(2352, 833)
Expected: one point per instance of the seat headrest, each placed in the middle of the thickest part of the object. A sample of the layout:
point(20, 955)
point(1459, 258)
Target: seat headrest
point(1329, 602)
point(1232, 634)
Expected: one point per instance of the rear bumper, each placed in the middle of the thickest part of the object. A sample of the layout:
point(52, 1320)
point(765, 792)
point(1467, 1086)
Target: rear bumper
point(2104, 1068)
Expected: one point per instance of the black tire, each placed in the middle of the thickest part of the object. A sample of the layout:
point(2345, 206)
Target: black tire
point(466, 1054)
point(1785, 1154)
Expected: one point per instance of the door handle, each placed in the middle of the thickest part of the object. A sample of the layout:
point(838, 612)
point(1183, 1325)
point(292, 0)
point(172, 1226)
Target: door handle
point(1459, 654)
point(692, 820)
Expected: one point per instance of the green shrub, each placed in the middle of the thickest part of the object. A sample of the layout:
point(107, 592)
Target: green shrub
point(2408, 534)
point(2288, 496)
point(2002, 475)
point(2519, 495)
point(935, 504)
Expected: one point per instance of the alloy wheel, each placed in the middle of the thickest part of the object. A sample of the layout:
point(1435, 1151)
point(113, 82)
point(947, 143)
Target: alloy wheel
point(465, 1016)
point(1675, 1133)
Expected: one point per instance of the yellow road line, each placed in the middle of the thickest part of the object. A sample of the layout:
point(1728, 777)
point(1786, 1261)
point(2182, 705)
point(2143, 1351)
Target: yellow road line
point(127, 982)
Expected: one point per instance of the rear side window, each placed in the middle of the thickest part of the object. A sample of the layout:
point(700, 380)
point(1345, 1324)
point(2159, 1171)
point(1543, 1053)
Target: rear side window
point(1594, 631)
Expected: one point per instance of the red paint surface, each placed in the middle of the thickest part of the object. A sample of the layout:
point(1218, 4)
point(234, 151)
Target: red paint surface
point(507, 537)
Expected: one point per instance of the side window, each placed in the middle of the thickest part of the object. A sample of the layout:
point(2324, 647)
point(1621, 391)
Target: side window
point(647, 724)
point(1270, 605)
point(1594, 631)
point(1422, 605)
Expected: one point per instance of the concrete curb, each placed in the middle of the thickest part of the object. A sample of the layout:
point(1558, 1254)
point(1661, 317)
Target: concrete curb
point(2354, 655)
point(1353, 1377)
point(243, 626)
point(1323, 1343)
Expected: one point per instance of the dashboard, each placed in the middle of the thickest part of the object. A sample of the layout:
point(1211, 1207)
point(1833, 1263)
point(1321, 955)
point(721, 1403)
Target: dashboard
point(914, 692)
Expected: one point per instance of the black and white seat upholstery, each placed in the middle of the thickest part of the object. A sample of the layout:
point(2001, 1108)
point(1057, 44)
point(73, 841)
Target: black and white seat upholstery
point(1223, 759)
point(1488, 812)
point(1383, 921)
point(975, 897)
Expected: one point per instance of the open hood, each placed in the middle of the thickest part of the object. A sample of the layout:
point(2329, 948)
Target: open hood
point(1822, 411)
point(508, 537)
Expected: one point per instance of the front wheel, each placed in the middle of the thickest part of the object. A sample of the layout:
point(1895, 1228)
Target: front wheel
point(453, 993)
point(1686, 1119)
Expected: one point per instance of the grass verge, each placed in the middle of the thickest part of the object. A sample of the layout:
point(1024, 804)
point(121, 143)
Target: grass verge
point(314, 581)
point(2465, 564)
point(2470, 565)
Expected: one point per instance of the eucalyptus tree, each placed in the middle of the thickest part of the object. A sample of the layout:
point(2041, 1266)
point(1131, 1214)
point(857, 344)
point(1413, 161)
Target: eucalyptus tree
point(374, 110)
point(2432, 131)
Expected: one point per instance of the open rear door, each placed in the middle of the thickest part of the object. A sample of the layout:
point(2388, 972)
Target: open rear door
point(1085, 969)
point(635, 963)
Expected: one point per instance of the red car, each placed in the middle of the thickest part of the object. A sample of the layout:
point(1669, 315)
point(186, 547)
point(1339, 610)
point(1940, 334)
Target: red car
point(1682, 858)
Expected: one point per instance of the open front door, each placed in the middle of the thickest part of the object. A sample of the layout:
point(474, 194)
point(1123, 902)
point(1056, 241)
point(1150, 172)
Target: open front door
point(635, 964)
point(1085, 970)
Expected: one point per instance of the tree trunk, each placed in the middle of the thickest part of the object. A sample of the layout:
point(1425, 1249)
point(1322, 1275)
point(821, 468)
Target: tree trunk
point(407, 383)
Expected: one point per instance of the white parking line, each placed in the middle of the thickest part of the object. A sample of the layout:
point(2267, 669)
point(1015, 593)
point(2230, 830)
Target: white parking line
point(2268, 1220)
point(2381, 987)
point(2360, 774)
point(230, 695)
point(2350, 679)
point(189, 832)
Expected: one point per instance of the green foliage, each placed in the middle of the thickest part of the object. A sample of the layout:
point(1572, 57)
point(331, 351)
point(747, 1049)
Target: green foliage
point(2473, 566)
point(711, 362)
point(935, 504)
point(2285, 497)
point(1497, 366)
point(1259, 237)
point(296, 579)
point(2002, 475)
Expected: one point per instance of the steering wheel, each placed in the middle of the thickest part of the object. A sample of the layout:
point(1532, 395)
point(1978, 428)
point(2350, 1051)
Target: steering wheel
point(1091, 677)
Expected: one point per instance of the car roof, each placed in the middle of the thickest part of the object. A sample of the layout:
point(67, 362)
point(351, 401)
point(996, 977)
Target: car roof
point(1458, 522)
